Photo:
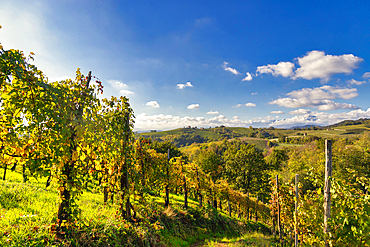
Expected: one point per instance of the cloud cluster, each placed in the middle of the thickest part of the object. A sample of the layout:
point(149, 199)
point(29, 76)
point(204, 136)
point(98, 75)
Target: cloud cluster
point(300, 112)
point(247, 105)
point(115, 84)
point(354, 82)
point(366, 75)
point(193, 106)
point(227, 68)
point(277, 112)
point(153, 104)
point(182, 86)
point(212, 112)
point(321, 118)
point(164, 122)
point(284, 69)
point(320, 97)
point(248, 77)
point(144, 121)
point(315, 64)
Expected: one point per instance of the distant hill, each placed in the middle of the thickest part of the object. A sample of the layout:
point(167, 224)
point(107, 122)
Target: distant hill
point(305, 126)
point(183, 137)
point(365, 121)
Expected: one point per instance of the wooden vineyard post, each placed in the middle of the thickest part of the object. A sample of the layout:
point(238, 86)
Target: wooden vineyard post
point(327, 195)
point(167, 201)
point(278, 206)
point(296, 212)
point(273, 215)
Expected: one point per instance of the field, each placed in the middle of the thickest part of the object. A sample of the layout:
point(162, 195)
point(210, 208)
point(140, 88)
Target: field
point(218, 134)
point(27, 218)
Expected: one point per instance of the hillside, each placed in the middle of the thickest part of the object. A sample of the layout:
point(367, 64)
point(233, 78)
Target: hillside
point(361, 121)
point(27, 217)
point(183, 137)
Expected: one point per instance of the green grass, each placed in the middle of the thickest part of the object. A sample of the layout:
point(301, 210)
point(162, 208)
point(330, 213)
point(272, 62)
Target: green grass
point(202, 132)
point(28, 218)
point(248, 239)
point(260, 144)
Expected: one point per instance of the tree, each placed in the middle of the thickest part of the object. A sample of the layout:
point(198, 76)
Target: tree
point(59, 129)
point(244, 167)
point(211, 163)
point(162, 147)
point(277, 158)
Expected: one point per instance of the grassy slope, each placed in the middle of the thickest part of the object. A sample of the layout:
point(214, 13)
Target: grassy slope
point(204, 133)
point(28, 214)
point(339, 131)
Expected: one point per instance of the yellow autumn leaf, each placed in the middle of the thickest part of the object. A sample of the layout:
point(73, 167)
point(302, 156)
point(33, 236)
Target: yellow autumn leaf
point(82, 157)
point(74, 156)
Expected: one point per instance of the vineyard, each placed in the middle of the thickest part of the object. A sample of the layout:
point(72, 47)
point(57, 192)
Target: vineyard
point(60, 143)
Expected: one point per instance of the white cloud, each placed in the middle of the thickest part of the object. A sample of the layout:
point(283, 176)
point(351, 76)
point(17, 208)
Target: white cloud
point(284, 69)
point(118, 85)
point(126, 92)
point(321, 118)
point(153, 104)
point(300, 112)
point(315, 64)
point(163, 122)
point(366, 75)
point(318, 65)
point(353, 81)
point(328, 105)
point(248, 105)
point(267, 119)
point(325, 92)
point(277, 112)
point(144, 121)
point(212, 112)
point(182, 86)
point(227, 68)
point(248, 77)
point(193, 106)
point(320, 98)
point(254, 93)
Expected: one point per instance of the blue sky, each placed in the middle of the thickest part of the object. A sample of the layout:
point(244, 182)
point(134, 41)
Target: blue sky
point(206, 63)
